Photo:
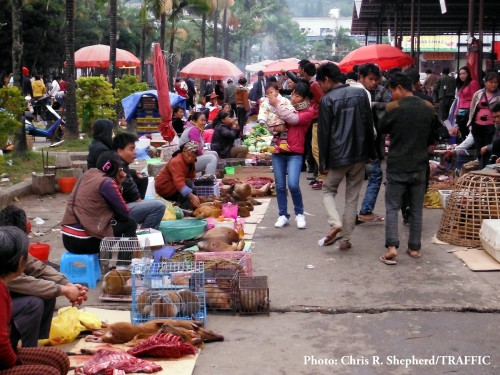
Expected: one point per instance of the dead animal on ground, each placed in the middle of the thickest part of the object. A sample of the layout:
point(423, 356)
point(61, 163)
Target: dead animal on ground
point(124, 332)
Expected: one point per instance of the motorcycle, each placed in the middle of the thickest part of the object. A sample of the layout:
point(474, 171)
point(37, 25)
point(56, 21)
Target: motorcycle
point(54, 132)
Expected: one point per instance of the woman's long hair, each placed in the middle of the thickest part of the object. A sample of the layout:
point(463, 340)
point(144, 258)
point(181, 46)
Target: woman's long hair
point(468, 80)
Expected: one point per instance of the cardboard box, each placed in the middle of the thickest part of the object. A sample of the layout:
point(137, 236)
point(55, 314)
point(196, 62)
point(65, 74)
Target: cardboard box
point(150, 237)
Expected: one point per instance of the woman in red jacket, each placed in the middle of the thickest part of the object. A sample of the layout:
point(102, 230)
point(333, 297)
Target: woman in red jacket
point(21, 361)
point(174, 182)
point(289, 151)
point(466, 88)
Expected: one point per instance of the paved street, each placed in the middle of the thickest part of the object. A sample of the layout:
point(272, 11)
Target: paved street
point(350, 314)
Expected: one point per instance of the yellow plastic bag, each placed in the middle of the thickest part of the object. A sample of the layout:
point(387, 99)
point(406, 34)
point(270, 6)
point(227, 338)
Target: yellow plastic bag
point(432, 199)
point(65, 327)
point(169, 209)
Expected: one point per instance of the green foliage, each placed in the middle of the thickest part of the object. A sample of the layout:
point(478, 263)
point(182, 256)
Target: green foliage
point(128, 84)
point(95, 99)
point(13, 105)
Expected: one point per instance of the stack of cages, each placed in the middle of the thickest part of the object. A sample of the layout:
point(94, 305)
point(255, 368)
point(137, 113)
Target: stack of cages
point(116, 254)
point(222, 270)
point(168, 290)
point(253, 295)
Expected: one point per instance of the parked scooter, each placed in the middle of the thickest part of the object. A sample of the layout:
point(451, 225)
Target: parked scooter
point(55, 132)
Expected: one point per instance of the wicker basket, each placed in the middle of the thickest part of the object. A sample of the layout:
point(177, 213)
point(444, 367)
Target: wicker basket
point(475, 197)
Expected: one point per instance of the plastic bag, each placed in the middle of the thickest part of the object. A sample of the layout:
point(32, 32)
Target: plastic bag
point(230, 211)
point(169, 209)
point(65, 327)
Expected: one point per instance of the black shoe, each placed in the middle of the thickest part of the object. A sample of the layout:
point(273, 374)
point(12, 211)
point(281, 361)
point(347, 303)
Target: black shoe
point(311, 178)
point(312, 182)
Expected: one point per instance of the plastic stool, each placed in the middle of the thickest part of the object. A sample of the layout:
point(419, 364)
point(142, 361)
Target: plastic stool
point(89, 274)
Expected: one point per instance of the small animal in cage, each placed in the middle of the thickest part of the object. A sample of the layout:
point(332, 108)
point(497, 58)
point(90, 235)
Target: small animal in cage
point(168, 303)
point(118, 252)
point(217, 298)
point(117, 283)
point(253, 295)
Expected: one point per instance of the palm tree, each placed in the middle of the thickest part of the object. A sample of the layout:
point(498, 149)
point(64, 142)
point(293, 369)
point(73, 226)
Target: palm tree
point(112, 41)
point(215, 13)
point(70, 104)
point(21, 147)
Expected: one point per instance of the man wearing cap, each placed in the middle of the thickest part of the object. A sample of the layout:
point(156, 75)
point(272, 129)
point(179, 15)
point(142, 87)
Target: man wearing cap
point(27, 88)
point(213, 107)
point(229, 94)
point(175, 180)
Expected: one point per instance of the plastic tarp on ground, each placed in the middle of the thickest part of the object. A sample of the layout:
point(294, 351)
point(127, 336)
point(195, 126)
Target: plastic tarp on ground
point(130, 102)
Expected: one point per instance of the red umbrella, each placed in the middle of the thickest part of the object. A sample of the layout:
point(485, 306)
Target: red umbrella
point(211, 68)
point(384, 55)
point(291, 64)
point(161, 79)
point(97, 56)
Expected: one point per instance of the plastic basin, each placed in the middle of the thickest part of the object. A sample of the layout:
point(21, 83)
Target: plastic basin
point(66, 184)
point(40, 251)
point(179, 230)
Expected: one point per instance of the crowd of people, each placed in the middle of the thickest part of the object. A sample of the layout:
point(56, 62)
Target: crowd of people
point(332, 124)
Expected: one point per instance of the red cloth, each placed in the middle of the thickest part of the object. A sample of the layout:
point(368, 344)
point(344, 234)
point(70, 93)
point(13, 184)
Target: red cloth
point(213, 114)
point(7, 355)
point(207, 135)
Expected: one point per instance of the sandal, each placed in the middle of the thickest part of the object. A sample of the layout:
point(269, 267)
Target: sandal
point(389, 261)
point(413, 253)
point(373, 218)
point(331, 237)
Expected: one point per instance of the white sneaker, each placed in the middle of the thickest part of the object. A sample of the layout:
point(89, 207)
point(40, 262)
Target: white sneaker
point(282, 221)
point(301, 221)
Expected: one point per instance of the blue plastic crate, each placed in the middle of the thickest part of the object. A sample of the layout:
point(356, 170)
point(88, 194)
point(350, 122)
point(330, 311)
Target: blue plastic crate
point(168, 290)
point(208, 191)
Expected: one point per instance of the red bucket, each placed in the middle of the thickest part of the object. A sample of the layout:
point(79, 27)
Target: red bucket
point(40, 251)
point(66, 184)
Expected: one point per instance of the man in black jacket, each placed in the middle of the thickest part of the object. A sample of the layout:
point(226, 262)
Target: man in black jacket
point(346, 143)
point(148, 212)
point(408, 121)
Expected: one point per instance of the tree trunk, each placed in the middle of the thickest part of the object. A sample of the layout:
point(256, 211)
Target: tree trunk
point(112, 41)
point(70, 102)
point(20, 145)
point(170, 61)
point(143, 41)
point(203, 34)
point(163, 22)
point(216, 17)
point(225, 34)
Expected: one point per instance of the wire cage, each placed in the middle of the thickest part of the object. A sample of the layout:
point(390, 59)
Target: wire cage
point(168, 290)
point(116, 254)
point(475, 197)
point(240, 261)
point(253, 295)
point(221, 290)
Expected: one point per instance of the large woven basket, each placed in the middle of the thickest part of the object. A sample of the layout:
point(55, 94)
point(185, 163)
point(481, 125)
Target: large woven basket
point(475, 197)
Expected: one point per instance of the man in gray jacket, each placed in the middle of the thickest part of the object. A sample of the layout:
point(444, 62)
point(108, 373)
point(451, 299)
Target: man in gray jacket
point(34, 292)
point(346, 143)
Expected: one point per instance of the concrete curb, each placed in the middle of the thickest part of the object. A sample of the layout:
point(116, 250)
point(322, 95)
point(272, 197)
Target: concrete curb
point(18, 190)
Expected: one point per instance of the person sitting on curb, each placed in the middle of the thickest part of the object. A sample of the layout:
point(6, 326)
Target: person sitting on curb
point(102, 140)
point(226, 130)
point(174, 182)
point(147, 213)
point(96, 208)
point(34, 292)
point(14, 245)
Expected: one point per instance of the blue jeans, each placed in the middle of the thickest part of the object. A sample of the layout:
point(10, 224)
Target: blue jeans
point(372, 189)
point(414, 184)
point(148, 213)
point(291, 164)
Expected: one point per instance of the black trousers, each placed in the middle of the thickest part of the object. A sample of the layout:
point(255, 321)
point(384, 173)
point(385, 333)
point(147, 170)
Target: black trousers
point(124, 228)
point(32, 317)
point(483, 135)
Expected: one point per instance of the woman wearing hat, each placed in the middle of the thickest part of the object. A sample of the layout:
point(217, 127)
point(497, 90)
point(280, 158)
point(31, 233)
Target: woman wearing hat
point(213, 107)
point(174, 182)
